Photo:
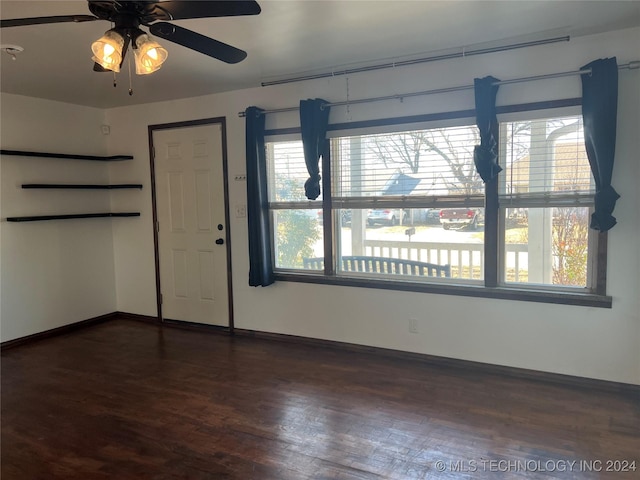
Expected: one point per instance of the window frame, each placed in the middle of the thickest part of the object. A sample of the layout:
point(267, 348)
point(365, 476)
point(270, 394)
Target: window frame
point(595, 261)
point(493, 285)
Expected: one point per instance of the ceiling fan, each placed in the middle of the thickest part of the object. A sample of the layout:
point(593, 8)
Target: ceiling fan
point(128, 15)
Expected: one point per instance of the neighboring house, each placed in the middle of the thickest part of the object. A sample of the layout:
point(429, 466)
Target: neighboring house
point(568, 170)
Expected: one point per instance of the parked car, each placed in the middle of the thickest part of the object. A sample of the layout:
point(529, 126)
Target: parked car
point(460, 217)
point(386, 216)
point(432, 215)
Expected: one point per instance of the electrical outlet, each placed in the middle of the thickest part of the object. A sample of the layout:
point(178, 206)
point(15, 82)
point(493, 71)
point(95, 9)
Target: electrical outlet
point(413, 325)
point(241, 211)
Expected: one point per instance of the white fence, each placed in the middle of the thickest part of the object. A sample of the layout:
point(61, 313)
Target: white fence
point(466, 259)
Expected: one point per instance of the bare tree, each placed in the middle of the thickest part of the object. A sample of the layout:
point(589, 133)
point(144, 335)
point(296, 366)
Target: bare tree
point(546, 170)
point(410, 150)
point(404, 149)
point(570, 235)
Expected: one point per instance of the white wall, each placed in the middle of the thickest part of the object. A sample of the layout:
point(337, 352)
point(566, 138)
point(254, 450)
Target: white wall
point(53, 272)
point(583, 341)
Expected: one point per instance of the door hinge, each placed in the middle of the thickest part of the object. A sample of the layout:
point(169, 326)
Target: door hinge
point(157, 226)
point(153, 152)
point(161, 299)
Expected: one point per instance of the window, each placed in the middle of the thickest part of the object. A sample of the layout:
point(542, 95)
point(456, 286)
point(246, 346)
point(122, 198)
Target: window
point(392, 190)
point(406, 210)
point(547, 190)
point(297, 229)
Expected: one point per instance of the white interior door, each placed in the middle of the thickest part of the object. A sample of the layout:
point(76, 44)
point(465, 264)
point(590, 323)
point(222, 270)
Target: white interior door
point(190, 205)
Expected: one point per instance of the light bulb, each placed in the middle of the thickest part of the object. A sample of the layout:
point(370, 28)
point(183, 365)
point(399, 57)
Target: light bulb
point(149, 55)
point(153, 53)
point(107, 50)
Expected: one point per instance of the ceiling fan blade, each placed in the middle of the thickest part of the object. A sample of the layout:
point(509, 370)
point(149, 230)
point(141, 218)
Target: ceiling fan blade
point(180, 10)
point(20, 22)
point(197, 42)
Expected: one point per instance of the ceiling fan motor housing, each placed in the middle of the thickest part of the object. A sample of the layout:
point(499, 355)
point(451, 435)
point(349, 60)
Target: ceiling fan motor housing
point(144, 12)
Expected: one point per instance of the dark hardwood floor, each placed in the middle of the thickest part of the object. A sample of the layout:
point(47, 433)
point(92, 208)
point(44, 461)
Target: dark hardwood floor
point(129, 400)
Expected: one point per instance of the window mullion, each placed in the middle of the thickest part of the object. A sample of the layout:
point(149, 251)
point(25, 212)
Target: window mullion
point(327, 224)
point(491, 234)
point(601, 238)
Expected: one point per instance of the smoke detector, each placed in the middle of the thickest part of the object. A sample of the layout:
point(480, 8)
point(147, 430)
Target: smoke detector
point(12, 50)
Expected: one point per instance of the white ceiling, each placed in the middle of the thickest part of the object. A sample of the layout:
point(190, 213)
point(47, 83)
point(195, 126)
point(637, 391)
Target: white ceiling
point(287, 38)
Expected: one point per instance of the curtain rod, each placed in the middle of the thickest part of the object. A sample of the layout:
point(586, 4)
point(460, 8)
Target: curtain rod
point(403, 63)
point(628, 66)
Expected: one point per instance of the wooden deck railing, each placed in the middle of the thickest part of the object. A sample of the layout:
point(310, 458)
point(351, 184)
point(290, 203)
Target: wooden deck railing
point(466, 259)
point(391, 266)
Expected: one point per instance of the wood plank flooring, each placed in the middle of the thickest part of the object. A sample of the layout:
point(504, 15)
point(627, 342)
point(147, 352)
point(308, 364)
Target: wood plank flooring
point(128, 400)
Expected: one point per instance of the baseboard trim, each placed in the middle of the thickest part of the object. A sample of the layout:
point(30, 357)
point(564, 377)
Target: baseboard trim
point(54, 332)
point(64, 329)
point(432, 360)
point(199, 327)
point(452, 363)
point(169, 322)
point(137, 317)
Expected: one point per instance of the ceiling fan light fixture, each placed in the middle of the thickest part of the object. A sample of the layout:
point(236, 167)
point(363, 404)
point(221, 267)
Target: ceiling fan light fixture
point(149, 55)
point(107, 50)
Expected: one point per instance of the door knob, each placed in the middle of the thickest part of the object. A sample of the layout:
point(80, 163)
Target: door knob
point(219, 241)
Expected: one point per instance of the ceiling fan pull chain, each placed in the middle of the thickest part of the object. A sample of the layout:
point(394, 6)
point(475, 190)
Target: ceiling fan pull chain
point(130, 84)
point(115, 82)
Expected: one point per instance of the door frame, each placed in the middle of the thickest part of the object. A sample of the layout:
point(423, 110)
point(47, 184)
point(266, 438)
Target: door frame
point(222, 121)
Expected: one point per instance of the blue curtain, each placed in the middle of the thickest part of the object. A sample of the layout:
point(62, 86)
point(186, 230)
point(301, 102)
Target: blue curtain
point(260, 259)
point(314, 118)
point(599, 113)
point(485, 155)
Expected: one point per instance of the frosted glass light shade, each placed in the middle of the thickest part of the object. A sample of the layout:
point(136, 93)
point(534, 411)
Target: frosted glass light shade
point(149, 55)
point(107, 50)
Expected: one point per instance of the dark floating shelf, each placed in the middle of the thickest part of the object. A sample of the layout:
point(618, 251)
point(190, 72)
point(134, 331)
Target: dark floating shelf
point(70, 217)
point(40, 218)
point(21, 153)
point(81, 187)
